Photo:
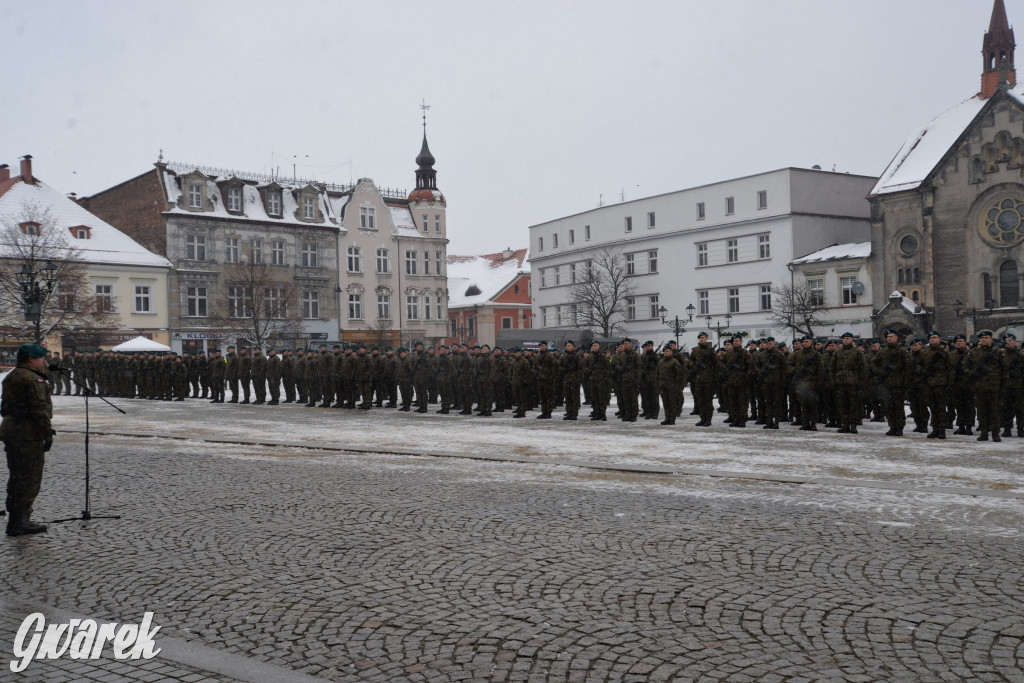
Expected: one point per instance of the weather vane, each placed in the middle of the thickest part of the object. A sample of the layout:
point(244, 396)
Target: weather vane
point(424, 107)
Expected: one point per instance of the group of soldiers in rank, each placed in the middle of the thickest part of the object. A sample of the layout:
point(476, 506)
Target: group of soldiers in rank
point(835, 383)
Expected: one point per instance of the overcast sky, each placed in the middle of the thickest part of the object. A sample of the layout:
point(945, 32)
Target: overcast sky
point(538, 109)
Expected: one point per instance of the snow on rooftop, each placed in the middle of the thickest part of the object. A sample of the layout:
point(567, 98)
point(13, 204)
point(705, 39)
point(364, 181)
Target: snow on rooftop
point(927, 145)
point(836, 252)
point(405, 225)
point(105, 244)
point(489, 274)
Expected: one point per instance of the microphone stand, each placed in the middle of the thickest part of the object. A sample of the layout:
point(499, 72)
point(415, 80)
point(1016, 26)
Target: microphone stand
point(86, 392)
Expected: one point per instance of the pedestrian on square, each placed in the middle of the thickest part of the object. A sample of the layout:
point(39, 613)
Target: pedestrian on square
point(27, 434)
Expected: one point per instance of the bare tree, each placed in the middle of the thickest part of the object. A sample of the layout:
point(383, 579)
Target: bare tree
point(599, 295)
point(33, 240)
point(798, 308)
point(256, 306)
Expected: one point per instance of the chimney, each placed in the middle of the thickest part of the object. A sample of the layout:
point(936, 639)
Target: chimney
point(26, 169)
point(507, 254)
point(5, 173)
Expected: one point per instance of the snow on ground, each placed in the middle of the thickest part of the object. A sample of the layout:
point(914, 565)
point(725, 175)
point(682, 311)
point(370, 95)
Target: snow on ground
point(959, 462)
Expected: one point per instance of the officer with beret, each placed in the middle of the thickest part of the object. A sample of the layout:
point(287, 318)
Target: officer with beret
point(27, 434)
point(983, 369)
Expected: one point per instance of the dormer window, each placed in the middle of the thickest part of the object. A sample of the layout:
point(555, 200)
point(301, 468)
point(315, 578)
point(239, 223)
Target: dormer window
point(195, 196)
point(309, 208)
point(31, 228)
point(235, 199)
point(82, 232)
point(274, 202)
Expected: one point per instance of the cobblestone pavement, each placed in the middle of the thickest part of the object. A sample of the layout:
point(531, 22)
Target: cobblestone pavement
point(381, 566)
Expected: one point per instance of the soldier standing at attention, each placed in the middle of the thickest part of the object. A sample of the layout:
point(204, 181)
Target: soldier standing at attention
point(27, 434)
point(984, 372)
point(547, 371)
point(597, 374)
point(572, 374)
point(704, 371)
point(216, 369)
point(850, 373)
point(807, 370)
point(403, 375)
point(259, 376)
point(670, 384)
point(1013, 389)
point(736, 366)
point(231, 373)
point(936, 369)
point(274, 376)
point(649, 387)
point(287, 370)
point(245, 375)
point(961, 401)
point(892, 367)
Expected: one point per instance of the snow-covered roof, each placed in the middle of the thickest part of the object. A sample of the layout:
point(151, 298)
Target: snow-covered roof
point(405, 224)
point(489, 274)
point(836, 252)
point(105, 243)
point(926, 146)
point(253, 208)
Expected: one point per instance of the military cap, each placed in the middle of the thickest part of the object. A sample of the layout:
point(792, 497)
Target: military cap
point(32, 350)
point(648, 343)
point(1010, 335)
point(487, 346)
point(702, 334)
point(847, 334)
point(960, 336)
point(769, 339)
point(985, 333)
point(570, 341)
point(539, 344)
point(231, 346)
point(440, 346)
point(402, 348)
point(876, 341)
point(887, 332)
point(417, 343)
point(736, 336)
point(934, 333)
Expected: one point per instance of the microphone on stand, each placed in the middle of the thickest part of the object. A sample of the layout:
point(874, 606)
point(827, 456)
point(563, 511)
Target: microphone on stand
point(53, 367)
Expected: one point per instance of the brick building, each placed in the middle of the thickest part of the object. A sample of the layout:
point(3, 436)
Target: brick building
point(488, 294)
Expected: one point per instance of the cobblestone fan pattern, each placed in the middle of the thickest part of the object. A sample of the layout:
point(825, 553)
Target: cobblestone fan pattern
point(386, 568)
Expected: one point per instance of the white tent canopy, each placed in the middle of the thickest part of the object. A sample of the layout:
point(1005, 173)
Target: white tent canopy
point(140, 344)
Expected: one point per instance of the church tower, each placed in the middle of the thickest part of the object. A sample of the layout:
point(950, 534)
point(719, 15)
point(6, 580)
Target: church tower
point(426, 202)
point(997, 52)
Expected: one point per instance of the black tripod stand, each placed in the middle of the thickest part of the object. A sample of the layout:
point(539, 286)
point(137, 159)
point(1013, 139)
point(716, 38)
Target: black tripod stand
point(86, 392)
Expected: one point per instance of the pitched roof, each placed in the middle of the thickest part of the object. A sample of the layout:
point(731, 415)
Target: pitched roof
point(105, 244)
point(836, 252)
point(486, 276)
point(928, 145)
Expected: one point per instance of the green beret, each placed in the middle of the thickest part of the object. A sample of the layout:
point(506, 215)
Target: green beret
point(934, 333)
point(32, 350)
point(960, 336)
point(1010, 335)
point(648, 343)
point(769, 339)
point(985, 333)
point(702, 334)
point(847, 334)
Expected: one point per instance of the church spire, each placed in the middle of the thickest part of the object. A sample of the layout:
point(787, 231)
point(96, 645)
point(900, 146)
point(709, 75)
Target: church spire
point(997, 52)
point(426, 176)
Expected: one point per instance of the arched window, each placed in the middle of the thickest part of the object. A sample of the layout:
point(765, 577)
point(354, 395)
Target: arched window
point(916, 296)
point(986, 281)
point(917, 275)
point(899, 276)
point(1009, 287)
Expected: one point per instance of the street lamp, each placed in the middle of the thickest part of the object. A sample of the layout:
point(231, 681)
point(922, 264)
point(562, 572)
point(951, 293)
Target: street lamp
point(677, 326)
point(719, 328)
point(35, 292)
point(974, 313)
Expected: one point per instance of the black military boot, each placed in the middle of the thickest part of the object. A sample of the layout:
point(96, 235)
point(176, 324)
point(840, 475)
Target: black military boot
point(843, 430)
point(544, 416)
point(961, 430)
point(853, 429)
point(941, 434)
point(934, 434)
point(20, 524)
point(996, 437)
point(1007, 432)
point(983, 437)
point(968, 431)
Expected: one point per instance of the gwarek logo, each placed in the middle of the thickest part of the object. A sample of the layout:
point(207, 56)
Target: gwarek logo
point(81, 639)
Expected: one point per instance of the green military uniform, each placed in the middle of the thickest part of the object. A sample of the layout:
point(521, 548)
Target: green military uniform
point(671, 376)
point(936, 370)
point(1013, 389)
point(274, 376)
point(705, 369)
point(892, 365)
point(850, 373)
point(572, 375)
point(984, 372)
point(27, 434)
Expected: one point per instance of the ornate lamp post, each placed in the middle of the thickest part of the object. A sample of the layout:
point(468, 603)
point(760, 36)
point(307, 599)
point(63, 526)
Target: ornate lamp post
point(677, 326)
point(719, 328)
point(35, 292)
point(974, 313)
